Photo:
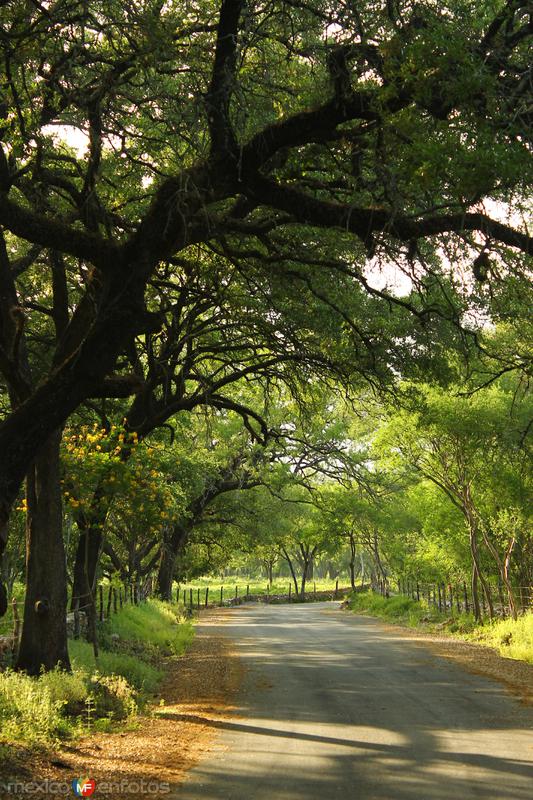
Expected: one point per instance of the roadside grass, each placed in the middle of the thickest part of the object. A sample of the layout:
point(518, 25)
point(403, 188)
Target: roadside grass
point(97, 694)
point(140, 674)
point(152, 623)
point(513, 639)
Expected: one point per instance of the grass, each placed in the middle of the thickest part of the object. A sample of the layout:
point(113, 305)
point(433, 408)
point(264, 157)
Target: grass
point(140, 674)
point(40, 711)
point(7, 622)
point(153, 623)
point(513, 639)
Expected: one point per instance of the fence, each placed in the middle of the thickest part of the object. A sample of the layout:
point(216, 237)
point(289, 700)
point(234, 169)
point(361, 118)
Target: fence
point(450, 597)
point(195, 597)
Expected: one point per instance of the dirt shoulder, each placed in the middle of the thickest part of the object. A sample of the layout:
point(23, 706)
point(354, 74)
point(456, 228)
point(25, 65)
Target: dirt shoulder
point(198, 690)
point(517, 676)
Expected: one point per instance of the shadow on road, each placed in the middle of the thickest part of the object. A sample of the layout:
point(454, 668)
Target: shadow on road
point(335, 706)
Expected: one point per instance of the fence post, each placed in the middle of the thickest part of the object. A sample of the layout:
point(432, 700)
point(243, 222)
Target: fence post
point(178, 595)
point(440, 598)
point(268, 593)
point(290, 592)
point(121, 599)
point(115, 609)
point(101, 602)
point(109, 601)
point(198, 598)
point(457, 600)
point(221, 595)
point(336, 588)
point(247, 591)
point(190, 598)
point(206, 595)
point(236, 592)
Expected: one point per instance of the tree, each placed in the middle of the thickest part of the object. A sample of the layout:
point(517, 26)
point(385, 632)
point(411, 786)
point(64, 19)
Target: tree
point(350, 159)
point(474, 449)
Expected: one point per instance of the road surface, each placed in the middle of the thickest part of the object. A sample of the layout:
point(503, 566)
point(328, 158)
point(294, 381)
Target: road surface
point(338, 706)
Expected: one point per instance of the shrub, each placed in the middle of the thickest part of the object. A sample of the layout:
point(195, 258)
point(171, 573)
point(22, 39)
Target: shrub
point(112, 696)
point(28, 710)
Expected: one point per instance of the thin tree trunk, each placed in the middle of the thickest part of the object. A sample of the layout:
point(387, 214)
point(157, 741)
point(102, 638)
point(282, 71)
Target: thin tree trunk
point(43, 643)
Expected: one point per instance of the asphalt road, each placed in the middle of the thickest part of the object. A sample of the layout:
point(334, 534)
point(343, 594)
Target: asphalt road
point(337, 706)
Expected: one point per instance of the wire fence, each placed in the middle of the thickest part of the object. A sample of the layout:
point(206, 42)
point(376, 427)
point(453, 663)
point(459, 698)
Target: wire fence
point(456, 597)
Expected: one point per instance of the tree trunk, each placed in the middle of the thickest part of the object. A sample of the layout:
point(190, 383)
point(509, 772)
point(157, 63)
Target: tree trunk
point(85, 569)
point(352, 561)
point(288, 559)
point(169, 551)
point(43, 644)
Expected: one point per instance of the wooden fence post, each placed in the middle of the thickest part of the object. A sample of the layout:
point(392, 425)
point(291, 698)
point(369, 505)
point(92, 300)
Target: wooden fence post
point(236, 592)
point(336, 588)
point(115, 609)
point(290, 587)
point(417, 591)
point(178, 595)
point(190, 598)
point(221, 595)
point(440, 598)
point(121, 598)
point(247, 591)
point(206, 595)
point(198, 598)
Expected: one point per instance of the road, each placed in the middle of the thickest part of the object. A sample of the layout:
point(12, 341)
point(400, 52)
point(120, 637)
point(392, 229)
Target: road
point(339, 706)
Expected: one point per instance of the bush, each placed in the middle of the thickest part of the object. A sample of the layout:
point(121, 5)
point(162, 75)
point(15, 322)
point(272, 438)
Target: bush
point(31, 709)
point(112, 697)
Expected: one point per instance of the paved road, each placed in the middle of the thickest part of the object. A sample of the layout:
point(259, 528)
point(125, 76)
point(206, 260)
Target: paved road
point(337, 706)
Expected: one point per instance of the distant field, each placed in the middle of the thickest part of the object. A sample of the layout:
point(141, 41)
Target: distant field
point(232, 586)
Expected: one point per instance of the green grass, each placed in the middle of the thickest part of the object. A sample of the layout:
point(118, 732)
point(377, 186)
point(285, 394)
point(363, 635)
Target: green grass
point(40, 711)
point(6, 622)
point(513, 639)
point(141, 675)
point(154, 623)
